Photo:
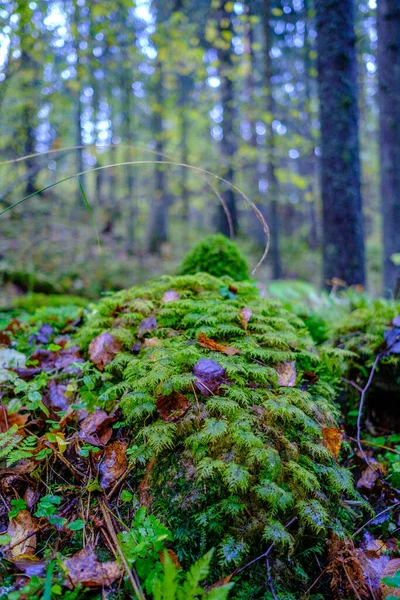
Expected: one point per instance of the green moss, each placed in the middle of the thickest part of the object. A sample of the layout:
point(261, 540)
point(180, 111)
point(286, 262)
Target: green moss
point(31, 302)
point(218, 256)
point(243, 459)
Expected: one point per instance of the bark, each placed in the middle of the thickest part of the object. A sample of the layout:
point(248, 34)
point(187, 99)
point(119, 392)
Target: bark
point(273, 190)
point(389, 121)
point(228, 142)
point(158, 233)
point(343, 234)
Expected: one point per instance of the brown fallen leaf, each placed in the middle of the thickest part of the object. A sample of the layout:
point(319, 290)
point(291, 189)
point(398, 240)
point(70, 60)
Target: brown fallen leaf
point(102, 349)
point(7, 421)
point(310, 376)
point(286, 374)
point(112, 464)
point(345, 570)
point(389, 571)
point(210, 344)
point(5, 339)
point(245, 316)
point(96, 428)
point(84, 568)
point(172, 407)
point(30, 566)
point(14, 325)
point(18, 530)
point(370, 475)
point(332, 440)
point(170, 296)
point(221, 582)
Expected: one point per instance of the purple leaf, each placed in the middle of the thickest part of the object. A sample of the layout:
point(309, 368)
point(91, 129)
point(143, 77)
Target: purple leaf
point(148, 324)
point(209, 376)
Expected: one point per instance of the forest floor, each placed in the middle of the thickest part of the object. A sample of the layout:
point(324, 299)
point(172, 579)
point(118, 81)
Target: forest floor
point(77, 513)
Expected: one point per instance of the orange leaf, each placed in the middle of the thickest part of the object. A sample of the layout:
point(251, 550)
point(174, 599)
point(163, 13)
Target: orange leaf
point(210, 344)
point(332, 440)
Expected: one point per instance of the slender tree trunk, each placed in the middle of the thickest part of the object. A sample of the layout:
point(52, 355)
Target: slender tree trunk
point(158, 233)
point(389, 109)
point(271, 175)
point(79, 165)
point(228, 142)
point(127, 128)
point(343, 233)
point(311, 162)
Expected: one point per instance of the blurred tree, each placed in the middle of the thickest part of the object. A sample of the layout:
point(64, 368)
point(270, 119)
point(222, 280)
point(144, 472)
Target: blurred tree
point(343, 243)
point(389, 110)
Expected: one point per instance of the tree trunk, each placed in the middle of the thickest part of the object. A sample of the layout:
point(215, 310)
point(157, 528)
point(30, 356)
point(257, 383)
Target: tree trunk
point(389, 110)
point(271, 176)
point(158, 233)
point(343, 234)
point(228, 142)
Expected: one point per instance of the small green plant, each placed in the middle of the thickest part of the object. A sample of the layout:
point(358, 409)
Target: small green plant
point(144, 544)
point(218, 256)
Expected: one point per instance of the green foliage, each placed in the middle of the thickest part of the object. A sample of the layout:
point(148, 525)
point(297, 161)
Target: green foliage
point(218, 256)
point(250, 447)
point(31, 302)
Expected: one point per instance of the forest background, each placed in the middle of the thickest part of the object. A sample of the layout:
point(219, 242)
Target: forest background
point(215, 90)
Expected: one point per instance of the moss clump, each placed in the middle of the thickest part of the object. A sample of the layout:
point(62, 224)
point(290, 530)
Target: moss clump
point(231, 452)
point(218, 256)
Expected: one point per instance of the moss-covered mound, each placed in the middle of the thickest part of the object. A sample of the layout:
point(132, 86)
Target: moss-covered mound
point(227, 406)
point(218, 256)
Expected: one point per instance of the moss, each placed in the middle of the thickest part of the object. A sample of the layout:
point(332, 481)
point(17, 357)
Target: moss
point(247, 454)
point(31, 302)
point(218, 256)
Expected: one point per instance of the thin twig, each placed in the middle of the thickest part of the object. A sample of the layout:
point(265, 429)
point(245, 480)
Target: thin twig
point(375, 517)
point(270, 582)
point(362, 402)
point(266, 554)
point(109, 524)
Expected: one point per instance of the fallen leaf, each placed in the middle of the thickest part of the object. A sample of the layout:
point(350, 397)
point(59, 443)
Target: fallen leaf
point(96, 428)
point(148, 324)
point(7, 421)
point(48, 360)
point(392, 339)
point(85, 569)
point(170, 296)
point(14, 325)
point(5, 339)
point(370, 475)
point(210, 344)
point(310, 376)
point(103, 349)
point(286, 374)
point(172, 407)
point(221, 582)
point(30, 566)
point(389, 571)
point(396, 321)
point(245, 316)
point(112, 464)
point(56, 398)
point(18, 529)
point(43, 336)
point(151, 342)
point(209, 376)
point(332, 440)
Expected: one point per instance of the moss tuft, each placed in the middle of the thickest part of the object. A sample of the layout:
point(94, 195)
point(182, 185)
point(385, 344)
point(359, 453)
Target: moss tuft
point(244, 453)
point(218, 256)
